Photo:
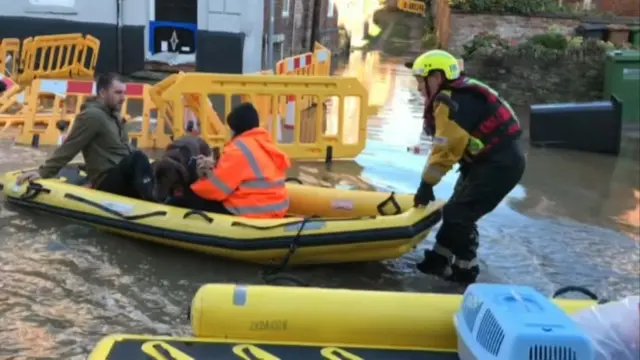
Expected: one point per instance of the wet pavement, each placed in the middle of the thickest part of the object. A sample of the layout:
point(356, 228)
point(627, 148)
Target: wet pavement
point(573, 220)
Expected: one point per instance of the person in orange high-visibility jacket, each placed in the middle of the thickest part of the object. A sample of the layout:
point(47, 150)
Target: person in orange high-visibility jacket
point(249, 178)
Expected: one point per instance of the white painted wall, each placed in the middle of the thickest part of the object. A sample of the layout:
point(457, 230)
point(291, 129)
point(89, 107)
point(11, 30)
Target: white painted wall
point(236, 16)
point(76, 10)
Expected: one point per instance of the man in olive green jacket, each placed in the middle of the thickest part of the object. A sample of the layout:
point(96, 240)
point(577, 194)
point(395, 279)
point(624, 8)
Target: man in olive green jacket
point(98, 132)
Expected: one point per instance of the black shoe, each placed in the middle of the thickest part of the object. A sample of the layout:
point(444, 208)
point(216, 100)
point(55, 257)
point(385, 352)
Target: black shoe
point(146, 190)
point(434, 264)
point(464, 276)
point(438, 265)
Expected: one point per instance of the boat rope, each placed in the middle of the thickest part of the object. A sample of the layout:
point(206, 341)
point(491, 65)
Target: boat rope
point(275, 275)
point(110, 211)
point(579, 289)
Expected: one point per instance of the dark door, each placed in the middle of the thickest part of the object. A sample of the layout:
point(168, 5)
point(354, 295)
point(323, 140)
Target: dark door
point(176, 26)
point(185, 11)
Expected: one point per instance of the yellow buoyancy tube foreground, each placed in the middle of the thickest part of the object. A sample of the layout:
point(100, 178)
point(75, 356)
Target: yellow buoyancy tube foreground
point(293, 323)
point(326, 226)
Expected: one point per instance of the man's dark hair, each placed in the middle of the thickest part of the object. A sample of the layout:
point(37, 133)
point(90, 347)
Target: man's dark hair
point(103, 82)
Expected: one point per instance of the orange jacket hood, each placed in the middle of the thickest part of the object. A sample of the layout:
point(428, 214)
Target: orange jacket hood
point(263, 139)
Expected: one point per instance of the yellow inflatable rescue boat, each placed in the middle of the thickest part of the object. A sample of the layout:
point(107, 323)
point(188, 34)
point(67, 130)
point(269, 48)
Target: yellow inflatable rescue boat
point(325, 225)
point(294, 323)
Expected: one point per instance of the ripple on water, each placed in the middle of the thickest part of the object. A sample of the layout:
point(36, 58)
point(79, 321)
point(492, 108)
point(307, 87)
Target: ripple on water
point(57, 303)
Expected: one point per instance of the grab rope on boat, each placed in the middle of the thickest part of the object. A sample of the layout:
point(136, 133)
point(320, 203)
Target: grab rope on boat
point(113, 212)
point(579, 289)
point(275, 276)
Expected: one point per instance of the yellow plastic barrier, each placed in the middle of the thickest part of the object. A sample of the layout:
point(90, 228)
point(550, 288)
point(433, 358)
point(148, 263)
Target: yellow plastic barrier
point(316, 63)
point(9, 54)
point(339, 134)
point(201, 117)
point(322, 57)
point(41, 57)
point(414, 7)
point(11, 108)
point(48, 101)
point(57, 57)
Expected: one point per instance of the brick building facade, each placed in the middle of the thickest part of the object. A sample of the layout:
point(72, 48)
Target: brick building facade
point(629, 8)
point(626, 8)
point(292, 27)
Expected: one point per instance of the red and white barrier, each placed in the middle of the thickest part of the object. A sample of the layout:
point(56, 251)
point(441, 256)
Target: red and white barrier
point(293, 66)
point(289, 67)
point(62, 88)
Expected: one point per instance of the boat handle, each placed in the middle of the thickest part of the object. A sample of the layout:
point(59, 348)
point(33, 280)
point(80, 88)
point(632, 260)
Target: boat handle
point(206, 217)
point(579, 289)
point(294, 180)
point(33, 190)
point(390, 200)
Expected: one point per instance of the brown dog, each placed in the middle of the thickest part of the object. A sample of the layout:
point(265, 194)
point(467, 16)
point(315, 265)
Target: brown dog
point(171, 171)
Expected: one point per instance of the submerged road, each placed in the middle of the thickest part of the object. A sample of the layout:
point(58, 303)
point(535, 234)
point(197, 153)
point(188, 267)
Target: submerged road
point(573, 220)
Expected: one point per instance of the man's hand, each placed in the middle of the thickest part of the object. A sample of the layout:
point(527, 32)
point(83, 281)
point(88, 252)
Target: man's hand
point(28, 176)
point(424, 195)
point(204, 166)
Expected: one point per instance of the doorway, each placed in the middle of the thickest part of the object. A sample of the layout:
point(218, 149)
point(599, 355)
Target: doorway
point(173, 31)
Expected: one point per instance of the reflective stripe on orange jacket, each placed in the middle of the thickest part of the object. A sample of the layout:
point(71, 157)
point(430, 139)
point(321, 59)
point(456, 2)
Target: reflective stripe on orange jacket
point(249, 178)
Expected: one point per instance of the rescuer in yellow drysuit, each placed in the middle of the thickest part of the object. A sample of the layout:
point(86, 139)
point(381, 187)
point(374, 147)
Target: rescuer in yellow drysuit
point(470, 125)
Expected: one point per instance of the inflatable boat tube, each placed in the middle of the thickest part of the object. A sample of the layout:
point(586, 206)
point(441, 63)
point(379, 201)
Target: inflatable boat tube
point(331, 316)
point(325, 226)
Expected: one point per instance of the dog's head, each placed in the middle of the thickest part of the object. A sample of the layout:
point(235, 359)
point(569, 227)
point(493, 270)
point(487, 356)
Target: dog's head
point(171, 177)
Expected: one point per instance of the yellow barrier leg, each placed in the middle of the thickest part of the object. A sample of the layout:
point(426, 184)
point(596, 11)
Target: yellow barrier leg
point(26, 136)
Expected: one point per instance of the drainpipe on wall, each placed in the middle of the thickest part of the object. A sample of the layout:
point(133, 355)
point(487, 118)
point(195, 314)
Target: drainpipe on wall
point(315, 20)
point(119, 24)
point(272, 19)
point(293, 31)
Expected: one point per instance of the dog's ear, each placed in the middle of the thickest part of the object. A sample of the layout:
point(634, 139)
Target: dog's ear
point(204, 148)
point(164, 178)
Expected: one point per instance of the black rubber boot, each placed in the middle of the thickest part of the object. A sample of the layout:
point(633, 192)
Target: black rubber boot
point(464, 276)
point(146, 189)
point(434, 264)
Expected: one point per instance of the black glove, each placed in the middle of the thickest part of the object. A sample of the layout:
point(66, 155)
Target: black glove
point(424, 195)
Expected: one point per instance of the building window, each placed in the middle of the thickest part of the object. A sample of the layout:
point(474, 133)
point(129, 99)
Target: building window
point(67, 7)
point(286, 4)
point(330, 8)
point(278, 51)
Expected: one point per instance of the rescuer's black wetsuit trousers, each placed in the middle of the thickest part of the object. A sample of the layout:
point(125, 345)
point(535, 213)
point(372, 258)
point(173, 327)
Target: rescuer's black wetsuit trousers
point(481, 186)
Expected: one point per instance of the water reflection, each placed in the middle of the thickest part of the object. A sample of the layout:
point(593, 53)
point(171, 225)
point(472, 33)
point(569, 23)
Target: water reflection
point(588, 188)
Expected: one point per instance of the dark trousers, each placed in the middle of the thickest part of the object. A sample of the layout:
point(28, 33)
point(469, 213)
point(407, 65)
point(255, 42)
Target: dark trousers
point(481, 186)
point(131, 177)
point(190, 200)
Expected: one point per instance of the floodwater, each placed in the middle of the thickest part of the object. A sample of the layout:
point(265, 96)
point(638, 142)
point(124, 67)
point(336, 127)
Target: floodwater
point(573, 220)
